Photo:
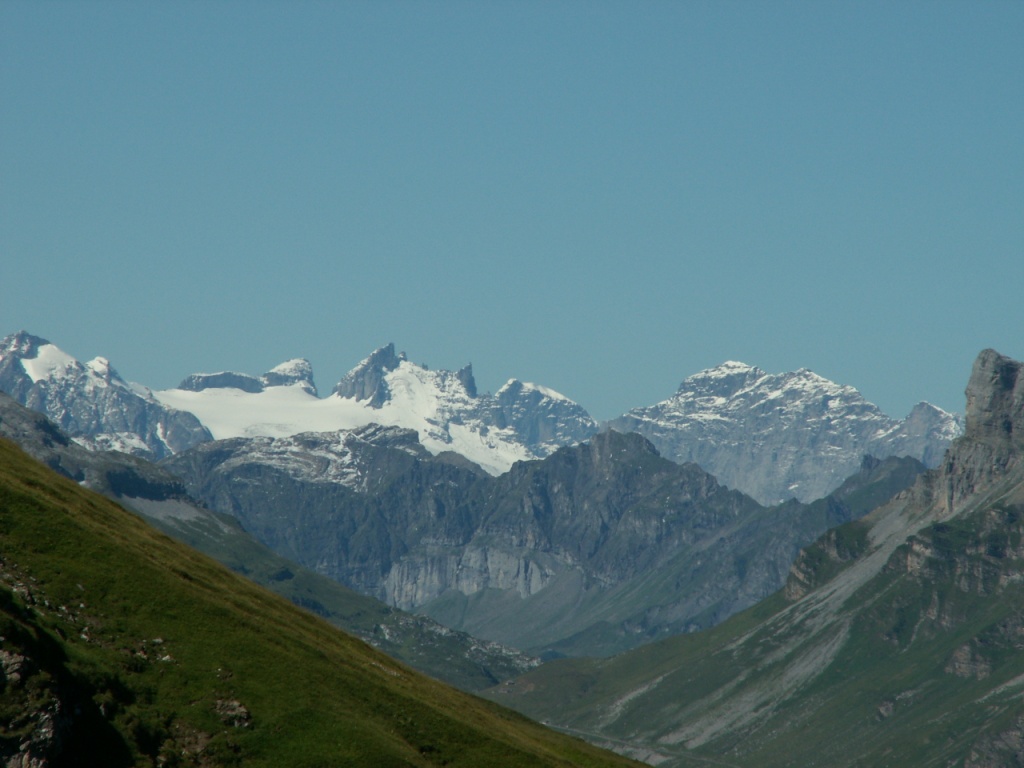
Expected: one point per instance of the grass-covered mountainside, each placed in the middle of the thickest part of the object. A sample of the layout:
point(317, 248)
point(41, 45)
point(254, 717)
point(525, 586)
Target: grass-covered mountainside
point(122, 647)
point(899, 639)
point(453, 657)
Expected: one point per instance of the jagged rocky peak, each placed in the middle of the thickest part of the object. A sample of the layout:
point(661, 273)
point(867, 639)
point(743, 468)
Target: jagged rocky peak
point(544, 418)
point(927, 416)
point(465, 377)
point(366, 381)
point(26, 359)
point(993, 438)
point(92, 402)
point(995, 399)
point(295, 371)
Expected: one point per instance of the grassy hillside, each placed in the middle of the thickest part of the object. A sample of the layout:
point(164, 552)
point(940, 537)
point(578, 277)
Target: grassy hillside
point(122, 647)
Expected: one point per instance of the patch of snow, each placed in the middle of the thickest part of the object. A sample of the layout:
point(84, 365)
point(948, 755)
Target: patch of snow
point(51, 361)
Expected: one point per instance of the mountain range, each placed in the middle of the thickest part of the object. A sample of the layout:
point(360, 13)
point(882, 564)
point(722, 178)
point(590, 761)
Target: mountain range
point(597, 547)
point(896, 641)
point(771, 436)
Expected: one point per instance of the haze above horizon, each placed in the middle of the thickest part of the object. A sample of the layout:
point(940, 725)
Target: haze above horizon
point(600, 198)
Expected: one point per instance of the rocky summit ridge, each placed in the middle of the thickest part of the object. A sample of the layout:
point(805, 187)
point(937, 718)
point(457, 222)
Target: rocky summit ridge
point(781, 436)
point(296, 371)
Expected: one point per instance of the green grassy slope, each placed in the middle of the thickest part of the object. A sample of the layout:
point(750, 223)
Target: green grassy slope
point(121, 646)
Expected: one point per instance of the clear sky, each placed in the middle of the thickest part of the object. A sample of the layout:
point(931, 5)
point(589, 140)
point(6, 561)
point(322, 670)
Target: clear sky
point(600, 197)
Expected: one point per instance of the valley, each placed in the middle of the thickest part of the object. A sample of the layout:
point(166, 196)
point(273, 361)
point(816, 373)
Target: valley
point(702, 626)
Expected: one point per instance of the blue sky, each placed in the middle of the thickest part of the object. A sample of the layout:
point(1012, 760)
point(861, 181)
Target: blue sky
point(599, 197)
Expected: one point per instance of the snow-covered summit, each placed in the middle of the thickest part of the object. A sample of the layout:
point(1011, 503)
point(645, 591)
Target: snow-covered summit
point(784, 435)
point(295, 371)
point(443, 407)
point(92, 402)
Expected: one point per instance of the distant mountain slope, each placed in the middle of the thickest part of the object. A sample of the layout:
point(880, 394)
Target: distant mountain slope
point(91, 401)
point(454, 657)
point(597, 548)
point(781, 436)
point(898, 639)
point(122, 647)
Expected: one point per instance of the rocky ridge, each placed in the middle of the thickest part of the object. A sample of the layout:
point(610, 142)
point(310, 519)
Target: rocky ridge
point(774, 437)
point(522, 421)
point(297, 371)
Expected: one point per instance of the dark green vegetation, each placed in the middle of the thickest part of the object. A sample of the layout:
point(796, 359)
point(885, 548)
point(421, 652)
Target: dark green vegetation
point(123, 647)
point(899, 639)
point(598, 548)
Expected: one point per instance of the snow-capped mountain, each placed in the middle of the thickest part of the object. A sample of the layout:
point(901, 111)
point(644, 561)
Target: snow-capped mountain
point(780, 436)
point(522, 421)
point(772, 436)
point(92, 402)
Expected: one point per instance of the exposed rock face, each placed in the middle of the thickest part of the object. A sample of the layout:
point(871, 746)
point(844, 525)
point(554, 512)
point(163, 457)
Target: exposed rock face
point(606, 543)
point(367, 380)
point(995, 401)
point(780, 436)
point(91, 402)
point(197, 382)
point(994, 435)
point(544, 420)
